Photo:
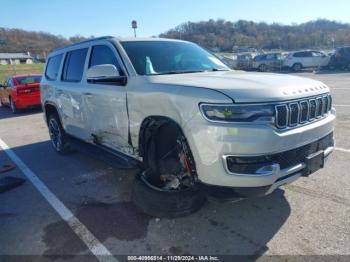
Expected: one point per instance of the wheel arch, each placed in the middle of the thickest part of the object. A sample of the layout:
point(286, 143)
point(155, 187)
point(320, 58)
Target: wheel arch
point(50, 108)
point(151, 123)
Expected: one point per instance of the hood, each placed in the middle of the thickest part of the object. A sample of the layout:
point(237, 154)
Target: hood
point(244, 87)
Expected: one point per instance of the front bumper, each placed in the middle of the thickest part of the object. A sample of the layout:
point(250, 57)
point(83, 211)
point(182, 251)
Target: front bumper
point(213, 143)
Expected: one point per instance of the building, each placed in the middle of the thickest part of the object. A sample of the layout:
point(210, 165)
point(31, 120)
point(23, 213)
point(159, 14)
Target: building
point(15, 58)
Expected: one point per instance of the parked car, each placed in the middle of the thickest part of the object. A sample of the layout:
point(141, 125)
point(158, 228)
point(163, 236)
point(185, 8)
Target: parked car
point(20, 92)
point(230, 61)
point(340, 59)
point(306, 59)
point(267, 62)
point(191, 124)
point(245, 61)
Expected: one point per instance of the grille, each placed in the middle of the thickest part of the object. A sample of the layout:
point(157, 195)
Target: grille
point(303, 111)
point(248, 165)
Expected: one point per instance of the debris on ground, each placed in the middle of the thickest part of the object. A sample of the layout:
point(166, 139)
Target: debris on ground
point(6, 168)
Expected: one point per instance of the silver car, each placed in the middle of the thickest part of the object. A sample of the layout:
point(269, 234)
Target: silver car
point(192, 126)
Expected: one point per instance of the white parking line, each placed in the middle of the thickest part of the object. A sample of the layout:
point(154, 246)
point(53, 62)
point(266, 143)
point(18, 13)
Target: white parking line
point(94, 245)
point(342, 149)
point(342, 105)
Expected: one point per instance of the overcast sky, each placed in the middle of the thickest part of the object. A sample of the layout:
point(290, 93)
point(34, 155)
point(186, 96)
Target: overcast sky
point(113, 17)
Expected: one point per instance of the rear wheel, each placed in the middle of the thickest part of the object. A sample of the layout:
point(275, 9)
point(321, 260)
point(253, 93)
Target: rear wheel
point(57, 135)
point(297, 67)
point(262, 68)
point(168, 187)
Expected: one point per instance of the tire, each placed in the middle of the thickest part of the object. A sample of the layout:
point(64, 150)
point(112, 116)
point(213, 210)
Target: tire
point(297, 67)
point(13, 107)
point(153, 194)
point(262, 68)
point(58, 137)
point(166, 204)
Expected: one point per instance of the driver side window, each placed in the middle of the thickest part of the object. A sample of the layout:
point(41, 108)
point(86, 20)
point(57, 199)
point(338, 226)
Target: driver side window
point(102, 54)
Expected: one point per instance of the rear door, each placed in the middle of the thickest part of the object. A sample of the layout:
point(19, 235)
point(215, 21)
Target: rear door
point(105, 105)
point(307, 59)
point(69, 93)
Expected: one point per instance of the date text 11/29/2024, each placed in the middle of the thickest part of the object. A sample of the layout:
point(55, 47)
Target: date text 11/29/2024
point(173, 258)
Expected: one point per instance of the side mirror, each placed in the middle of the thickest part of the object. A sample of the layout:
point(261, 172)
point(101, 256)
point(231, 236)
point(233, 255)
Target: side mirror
point(105, 74)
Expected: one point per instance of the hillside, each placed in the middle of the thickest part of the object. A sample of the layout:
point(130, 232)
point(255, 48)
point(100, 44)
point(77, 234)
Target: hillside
point(218, 35)
point(37, 43)
point(223, 35)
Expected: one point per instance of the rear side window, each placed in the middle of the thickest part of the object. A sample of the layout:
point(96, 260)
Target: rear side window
point(300, 54)
point(53, 66)
point(74, 65)
point(102, 54)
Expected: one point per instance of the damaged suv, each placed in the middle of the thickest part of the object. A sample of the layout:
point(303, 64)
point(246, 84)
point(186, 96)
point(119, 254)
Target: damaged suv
point(193, 126)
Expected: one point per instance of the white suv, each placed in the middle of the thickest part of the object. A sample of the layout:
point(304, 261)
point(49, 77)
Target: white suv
point(306, 59)
point(193, 126)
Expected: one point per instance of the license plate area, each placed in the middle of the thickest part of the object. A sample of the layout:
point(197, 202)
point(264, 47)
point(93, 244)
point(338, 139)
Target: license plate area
point(314, 162)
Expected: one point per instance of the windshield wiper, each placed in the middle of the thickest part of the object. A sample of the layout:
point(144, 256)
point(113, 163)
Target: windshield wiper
point(178, 72)
point(218, 69)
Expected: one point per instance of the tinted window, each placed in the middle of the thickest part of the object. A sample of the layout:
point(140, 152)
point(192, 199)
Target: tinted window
point(317, 54)
point(53, 66)
point(74, 65)
point(260, 57)
point(102, 54)
point(28, 80)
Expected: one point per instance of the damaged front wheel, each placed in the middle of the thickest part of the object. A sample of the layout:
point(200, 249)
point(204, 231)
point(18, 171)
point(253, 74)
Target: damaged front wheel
point(168, 187)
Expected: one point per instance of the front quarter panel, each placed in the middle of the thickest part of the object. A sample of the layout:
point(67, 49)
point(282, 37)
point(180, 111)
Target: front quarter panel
point(179, 103)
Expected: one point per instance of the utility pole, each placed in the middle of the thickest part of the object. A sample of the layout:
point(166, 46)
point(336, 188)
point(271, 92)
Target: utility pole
point(134, 26)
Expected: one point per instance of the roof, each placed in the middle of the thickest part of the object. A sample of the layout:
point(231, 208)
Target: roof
point(143, 39)
point(130, 39)
point(14, 56)
point(24, 75)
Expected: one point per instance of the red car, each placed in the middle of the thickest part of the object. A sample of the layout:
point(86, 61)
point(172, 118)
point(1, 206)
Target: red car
point(21, 91)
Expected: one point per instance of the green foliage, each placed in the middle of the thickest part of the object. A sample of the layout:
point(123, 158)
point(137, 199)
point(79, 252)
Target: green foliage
point(224, 35)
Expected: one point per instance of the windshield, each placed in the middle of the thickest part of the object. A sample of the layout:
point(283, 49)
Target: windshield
point(22, 80)
point(168, 57)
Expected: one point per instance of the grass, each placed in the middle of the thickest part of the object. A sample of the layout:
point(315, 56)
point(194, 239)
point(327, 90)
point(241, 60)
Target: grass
point(8, 70)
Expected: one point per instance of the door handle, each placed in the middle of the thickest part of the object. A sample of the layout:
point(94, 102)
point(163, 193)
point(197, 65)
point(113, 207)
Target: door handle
point(88, 94)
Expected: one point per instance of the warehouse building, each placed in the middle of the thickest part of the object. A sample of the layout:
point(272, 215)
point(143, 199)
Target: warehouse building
point(15, 58)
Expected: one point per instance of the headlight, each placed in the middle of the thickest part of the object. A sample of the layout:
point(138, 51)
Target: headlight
point(237, 113)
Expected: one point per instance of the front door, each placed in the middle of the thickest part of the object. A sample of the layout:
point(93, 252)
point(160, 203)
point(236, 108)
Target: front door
point(105, 105)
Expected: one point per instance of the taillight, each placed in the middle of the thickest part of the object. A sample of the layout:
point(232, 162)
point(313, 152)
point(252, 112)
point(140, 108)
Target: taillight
point(24, 91)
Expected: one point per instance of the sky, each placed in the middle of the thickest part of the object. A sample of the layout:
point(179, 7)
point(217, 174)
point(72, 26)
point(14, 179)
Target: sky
point(113, 17)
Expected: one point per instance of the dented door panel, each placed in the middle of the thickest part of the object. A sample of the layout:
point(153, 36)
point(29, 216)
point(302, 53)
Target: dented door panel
point(106, 112)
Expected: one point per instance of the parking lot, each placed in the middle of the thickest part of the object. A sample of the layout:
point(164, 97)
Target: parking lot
point(308, 217)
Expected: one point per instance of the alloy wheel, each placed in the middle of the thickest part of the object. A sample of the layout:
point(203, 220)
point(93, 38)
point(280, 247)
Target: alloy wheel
point(55, 134)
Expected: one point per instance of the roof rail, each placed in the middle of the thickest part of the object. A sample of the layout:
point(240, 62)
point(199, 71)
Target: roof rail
point(82, 42)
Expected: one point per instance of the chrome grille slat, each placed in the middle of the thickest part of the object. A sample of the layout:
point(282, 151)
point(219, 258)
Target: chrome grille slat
point(301, 112)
